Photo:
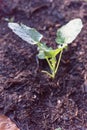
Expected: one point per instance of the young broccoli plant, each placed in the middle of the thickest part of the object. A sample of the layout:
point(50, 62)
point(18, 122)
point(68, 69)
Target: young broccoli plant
point(65, 35)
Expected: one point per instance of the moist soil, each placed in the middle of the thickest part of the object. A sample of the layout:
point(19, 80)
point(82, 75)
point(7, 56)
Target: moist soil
point(29, 97)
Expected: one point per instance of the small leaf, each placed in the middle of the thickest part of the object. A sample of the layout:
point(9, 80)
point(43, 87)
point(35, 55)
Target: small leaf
point(28, 34)
point(42, 49)
point(45, 52)
point(52, 53)
point(41, 54)
point(69, 32)
point(7, 124)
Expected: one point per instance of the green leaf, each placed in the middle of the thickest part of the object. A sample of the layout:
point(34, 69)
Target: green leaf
point(45, 52)
point(41, 55)
point(52, 53)
point(28, 34)
point(42, 48)
point(69, 32)
point(48, 53)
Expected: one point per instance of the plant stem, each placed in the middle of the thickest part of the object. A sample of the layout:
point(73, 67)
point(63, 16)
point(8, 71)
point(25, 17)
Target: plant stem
point(54, 72)
point(58, 61)
point(51, 75)
point(49, 63)
point(51, 68)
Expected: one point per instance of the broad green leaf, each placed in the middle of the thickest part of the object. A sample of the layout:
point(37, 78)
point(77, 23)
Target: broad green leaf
point(28, 34)
point(69, 32)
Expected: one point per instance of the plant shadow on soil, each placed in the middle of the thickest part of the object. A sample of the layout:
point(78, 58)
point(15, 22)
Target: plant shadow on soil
point(30, 98)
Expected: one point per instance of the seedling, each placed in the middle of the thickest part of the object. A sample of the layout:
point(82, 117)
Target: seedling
point(65, 35)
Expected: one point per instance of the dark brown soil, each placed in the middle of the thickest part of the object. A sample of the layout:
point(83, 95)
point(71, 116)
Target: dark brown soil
point(30, 98)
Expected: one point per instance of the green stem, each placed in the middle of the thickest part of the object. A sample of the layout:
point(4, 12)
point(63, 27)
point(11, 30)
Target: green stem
point(52, 76)
point(58, 61)
point(51, 68)
point(49, 63)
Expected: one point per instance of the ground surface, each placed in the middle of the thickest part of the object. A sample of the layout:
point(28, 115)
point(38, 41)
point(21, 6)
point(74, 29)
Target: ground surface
point(30, 98)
